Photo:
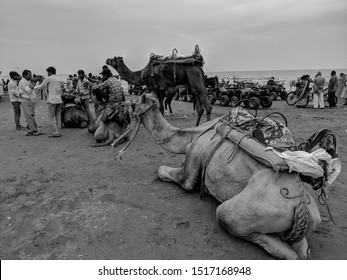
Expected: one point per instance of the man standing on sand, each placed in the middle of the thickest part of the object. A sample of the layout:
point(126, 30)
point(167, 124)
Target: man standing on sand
point(55, 89)
point(332, 88)
point(28, 100)
point(318, 94)
point(13, 93)
point(83, 91)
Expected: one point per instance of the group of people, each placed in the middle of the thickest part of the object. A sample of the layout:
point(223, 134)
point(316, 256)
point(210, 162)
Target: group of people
point(105, 92)
point(337, 88)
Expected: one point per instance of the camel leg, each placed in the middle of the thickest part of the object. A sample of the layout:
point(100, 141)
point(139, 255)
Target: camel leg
point(194, 105)
point(187, 176)
point(301, 248)
point(170, 93)
point(206, 105)
point(197, 84)
point(160, 95)
point(273, 244)
point(247, 225)
point(179, 175)
point(199, 109)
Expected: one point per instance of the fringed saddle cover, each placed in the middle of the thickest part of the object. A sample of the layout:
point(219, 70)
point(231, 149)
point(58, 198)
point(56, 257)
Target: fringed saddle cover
point(271, 133)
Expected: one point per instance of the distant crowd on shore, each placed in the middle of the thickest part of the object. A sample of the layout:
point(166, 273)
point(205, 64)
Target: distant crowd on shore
point(23, 90)
point(336, 88)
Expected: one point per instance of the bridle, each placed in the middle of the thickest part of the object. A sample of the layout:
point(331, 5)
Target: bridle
point(138, 117)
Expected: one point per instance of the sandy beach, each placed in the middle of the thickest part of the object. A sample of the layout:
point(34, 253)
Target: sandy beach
point(62, 199)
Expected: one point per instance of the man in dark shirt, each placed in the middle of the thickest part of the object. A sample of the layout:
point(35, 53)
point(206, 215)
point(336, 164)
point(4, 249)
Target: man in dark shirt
point(332, 88)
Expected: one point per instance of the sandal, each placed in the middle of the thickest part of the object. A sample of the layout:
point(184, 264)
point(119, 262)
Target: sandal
point(54, 135)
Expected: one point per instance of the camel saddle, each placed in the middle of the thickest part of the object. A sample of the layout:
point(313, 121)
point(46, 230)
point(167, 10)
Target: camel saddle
point(265, 139)
point(195, 58)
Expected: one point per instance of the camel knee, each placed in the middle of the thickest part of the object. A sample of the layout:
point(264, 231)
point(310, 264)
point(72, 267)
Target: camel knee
point(167, 173)
point(301, 248)
point(228, 219)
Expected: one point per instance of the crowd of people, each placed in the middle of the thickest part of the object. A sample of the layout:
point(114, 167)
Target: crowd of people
point(336, 89)
point(105, 91)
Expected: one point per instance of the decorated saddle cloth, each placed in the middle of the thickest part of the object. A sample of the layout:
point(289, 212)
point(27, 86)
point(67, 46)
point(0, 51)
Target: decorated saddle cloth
point(270, 133)
point(117, 111)
point(271, 143)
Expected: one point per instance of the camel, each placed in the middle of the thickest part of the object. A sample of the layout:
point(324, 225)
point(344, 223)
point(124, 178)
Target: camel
point(165, 76)
point(272, 208)
point(106, 132)
point(73, 115)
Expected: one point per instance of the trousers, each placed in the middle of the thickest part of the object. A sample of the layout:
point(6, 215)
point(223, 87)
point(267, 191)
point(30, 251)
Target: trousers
point(17, 112)
point(29, 113)
point(54, 115)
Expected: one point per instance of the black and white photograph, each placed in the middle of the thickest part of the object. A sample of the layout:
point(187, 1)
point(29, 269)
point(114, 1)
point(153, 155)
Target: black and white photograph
point(173, 130)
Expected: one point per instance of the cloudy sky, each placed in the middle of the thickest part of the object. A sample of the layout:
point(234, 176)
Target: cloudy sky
point(232, 34)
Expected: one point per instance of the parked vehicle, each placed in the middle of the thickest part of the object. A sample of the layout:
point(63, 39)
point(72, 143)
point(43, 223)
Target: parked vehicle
point(254, 97)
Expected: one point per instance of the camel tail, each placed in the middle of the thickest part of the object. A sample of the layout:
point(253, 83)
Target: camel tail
point(300, 224)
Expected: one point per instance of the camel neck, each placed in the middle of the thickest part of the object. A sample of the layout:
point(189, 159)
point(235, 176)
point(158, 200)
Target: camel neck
point(130, 76)
point(170, 138)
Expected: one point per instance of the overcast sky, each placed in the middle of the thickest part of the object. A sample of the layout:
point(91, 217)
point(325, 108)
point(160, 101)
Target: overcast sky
point(232, 34)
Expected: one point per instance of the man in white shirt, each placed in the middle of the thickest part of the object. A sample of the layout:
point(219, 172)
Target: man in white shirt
point(13, 93)
point(318, 92)
point(28, 100)
point(55, 88)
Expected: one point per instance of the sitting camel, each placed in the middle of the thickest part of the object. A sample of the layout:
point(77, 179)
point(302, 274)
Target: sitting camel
point(272, 208)
point(73, 115)
point(106, 132)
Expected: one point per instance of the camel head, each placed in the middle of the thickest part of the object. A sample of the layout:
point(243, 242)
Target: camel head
point(114, 62)
point(145, 102)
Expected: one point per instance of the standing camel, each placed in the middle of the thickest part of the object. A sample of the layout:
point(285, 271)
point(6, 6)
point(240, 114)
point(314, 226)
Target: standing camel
point(273, 209)
point(167, 75)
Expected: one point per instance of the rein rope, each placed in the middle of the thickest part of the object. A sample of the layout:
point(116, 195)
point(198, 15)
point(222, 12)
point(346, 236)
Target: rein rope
point(138, 117)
